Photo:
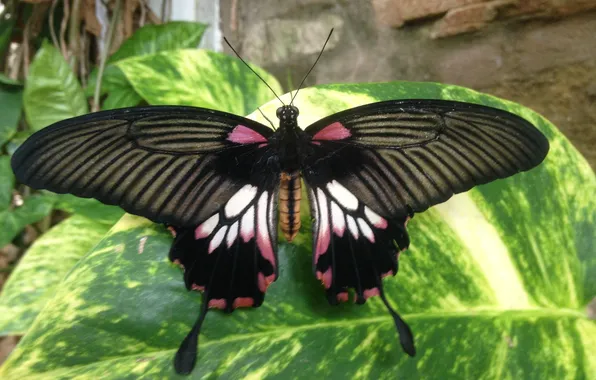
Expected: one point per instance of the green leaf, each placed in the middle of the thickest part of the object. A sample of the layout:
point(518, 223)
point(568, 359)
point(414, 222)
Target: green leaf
point(120, 92)
point(90, 208)
point(7, 181)
point(151, 39)
point(7, 81)
point(487, 296)
point(35, 280)
point(6, 27)
point(198, 78)
point(11, 102)
point(33, 209)
point(147, 40)
point(16, 140)
point(52, 91)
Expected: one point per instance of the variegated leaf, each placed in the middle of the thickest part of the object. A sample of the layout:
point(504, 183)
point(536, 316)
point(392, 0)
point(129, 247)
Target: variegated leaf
point(494, 286)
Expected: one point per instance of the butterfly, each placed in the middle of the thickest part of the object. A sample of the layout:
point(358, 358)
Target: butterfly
point(223, 183)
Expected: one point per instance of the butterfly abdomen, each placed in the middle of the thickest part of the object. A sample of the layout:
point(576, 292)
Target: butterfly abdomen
point(289, 204)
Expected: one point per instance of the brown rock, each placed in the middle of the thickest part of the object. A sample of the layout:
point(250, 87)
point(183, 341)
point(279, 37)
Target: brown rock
point(396, 12)
point(548, 8)
point(283, 40)
point(467, 19)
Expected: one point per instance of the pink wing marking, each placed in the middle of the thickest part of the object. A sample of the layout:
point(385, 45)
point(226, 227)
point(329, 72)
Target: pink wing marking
point(325, 278)
point(247, 225)
point(334, 131)
point(265, 281)
point(244, 135)
point(371, 293)
point(263, 238)
point(387, 274)
point(243, 302)
point(218, 303)
point(323, 237)
point(205, 229)
point(342, 297)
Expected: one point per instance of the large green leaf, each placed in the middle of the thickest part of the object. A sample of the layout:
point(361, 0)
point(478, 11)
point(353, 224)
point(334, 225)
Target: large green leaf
point(11, 102)
point(39, 273)
point(198, 78)
point(151, 39)
point(52, 91)
point(32, 210)
point(7, 181)
point(88, 207)
point(487, 296)
point(147, 40)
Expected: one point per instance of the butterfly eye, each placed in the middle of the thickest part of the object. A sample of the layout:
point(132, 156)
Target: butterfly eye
point(295, 110)
point(279, 112)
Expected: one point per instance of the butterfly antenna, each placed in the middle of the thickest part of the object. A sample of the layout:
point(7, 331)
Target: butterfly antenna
point(186, 356)
point(313, 66)
point(406, 339)
point(266, 118)
point(251, 69)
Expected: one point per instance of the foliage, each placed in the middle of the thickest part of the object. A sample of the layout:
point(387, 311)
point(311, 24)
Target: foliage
point(52, 90)
point(145, 42)
point(493, 287)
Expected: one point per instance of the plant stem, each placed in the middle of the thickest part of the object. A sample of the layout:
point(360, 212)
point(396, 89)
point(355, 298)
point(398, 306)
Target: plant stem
point(65, 12)
point(74, 33)
point(51, 24)
point(105, 53)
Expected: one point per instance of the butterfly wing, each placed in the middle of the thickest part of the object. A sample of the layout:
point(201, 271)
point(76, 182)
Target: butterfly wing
point(201, 171)
point(370, 168)
point(404, 156)
point(173, 165)
point(208, 174)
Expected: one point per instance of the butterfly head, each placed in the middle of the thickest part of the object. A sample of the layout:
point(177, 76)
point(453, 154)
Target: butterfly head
point(288, 114)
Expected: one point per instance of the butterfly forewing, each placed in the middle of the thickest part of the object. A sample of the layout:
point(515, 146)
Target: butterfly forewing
point(173, 165)
point(407, 155)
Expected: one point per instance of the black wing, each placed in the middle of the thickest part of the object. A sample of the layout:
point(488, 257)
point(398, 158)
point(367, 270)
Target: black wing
point(210, 175)
point(173, 165)
point(404, 156)
point(370, 168)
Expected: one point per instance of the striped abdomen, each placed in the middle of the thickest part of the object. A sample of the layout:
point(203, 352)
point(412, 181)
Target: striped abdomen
point(289, 204)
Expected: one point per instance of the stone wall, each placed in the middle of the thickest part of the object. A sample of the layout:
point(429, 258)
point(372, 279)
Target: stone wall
point(540, 53)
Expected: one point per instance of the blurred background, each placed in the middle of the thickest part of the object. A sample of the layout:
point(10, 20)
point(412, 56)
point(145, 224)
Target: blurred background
point(539, 53)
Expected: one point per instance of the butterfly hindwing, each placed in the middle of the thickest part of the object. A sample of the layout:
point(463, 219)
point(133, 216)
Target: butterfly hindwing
point(172, 165)
point(353, 247)
point(231, 256)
